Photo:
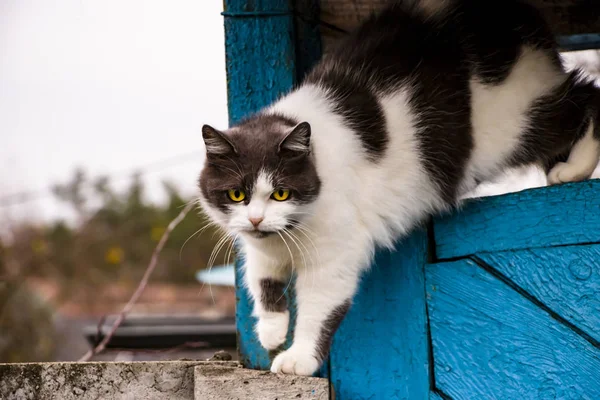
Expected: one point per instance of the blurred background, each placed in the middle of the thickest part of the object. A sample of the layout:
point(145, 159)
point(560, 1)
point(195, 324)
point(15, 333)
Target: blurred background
point(101, 105)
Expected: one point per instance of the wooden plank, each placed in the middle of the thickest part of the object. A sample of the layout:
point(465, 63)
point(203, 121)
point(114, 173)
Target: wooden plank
point(267, 52)
point(381, 350)
point(565, 279)
point(308, 36)
point(550, 216)
point(489, 342)
point(257, 73)
point(579, 42)
point(435, 396)
point(567, 17)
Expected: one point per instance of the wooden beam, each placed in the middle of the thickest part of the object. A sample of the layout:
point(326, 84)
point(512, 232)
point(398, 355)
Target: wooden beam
point(566, 17)
point(563, 278)
point(268, 49)
point(381, 348)
point(529, 219)
point(260, 59)
point(258, 71)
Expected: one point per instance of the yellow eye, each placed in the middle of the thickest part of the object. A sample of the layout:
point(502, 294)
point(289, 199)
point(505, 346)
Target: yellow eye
point(281, 194)
point(236, 195)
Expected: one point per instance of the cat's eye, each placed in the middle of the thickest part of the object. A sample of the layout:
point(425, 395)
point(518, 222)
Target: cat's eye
point(281, 194)
point(236, 195)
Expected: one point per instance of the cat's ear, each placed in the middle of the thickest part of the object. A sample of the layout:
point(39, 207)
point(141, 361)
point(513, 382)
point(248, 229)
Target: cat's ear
point(298, 140)
point(216, 142)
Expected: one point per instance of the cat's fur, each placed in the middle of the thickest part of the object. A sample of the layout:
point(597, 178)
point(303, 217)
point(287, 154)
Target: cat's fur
point(404, 117)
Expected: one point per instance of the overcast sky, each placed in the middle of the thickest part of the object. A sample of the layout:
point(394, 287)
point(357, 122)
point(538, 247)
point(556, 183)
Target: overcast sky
point(109, 85)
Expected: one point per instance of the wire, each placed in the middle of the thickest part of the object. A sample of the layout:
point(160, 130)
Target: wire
point(27, 196)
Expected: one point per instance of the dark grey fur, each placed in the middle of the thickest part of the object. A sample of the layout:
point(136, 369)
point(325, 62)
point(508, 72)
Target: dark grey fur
point(258, 145)
point(272, 295)
point(330, 326)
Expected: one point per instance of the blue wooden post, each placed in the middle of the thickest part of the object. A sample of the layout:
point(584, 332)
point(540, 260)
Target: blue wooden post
point(381, 349)
point(260, 54)
point(267, 51)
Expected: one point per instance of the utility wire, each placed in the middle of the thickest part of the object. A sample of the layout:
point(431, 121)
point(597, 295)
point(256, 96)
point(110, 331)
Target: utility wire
point(27, 196)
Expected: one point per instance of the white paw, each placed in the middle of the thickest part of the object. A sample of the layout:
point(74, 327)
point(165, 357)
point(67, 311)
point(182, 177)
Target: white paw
point(272, 329)
point(296, 361)
point(564, 172)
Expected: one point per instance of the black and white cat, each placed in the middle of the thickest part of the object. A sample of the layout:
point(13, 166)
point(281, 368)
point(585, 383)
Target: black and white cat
point(398, 122)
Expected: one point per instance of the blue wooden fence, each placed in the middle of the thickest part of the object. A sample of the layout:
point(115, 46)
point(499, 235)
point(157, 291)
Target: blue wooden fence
point(499, 301)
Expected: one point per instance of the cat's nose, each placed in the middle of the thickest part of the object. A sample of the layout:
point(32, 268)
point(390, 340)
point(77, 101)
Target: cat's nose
point(256, 221)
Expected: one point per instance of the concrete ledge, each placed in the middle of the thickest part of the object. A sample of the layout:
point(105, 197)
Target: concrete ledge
point(169, 380)
point(98, 380)
point(228, 382)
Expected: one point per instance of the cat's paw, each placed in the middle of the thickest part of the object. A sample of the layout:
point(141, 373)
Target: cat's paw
point(295, 361)
point(272, 329)
point(564, 172)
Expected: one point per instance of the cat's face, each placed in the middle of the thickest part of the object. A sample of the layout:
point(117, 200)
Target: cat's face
point(259, 177)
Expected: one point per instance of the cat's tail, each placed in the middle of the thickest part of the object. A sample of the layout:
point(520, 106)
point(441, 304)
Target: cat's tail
point(580, 161)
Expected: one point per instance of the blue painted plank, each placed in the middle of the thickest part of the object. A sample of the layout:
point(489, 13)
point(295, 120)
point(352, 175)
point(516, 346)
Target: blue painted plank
point(579, 42)
point(565, 279)
point(490, 342)
point(434, 396)
point(260, 54)
point(550, 216)
point(263, 61)
point(381, 350)
point(260, 62)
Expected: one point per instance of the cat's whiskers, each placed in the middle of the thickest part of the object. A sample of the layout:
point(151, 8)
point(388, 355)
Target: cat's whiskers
point(293, 267)
point(228, 257)
point(235, 174)
point(192, 201)
point(240, 173)
point(198, 232)
point(307, 232)
point(213, 258)
point(294, 237)
point(303, 229)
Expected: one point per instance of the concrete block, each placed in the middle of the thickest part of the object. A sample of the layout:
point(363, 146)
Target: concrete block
point(227, 381)
point(172, 380)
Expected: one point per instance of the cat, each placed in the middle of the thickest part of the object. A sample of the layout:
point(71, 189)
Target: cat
point(402, 118)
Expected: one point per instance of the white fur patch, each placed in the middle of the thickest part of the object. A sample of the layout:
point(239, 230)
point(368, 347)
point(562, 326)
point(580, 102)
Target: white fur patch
point(272, 329)
point(499, 113)
point(511, 180)
point(297, 360)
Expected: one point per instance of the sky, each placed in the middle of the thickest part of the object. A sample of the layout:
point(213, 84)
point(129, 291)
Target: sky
point(108, 85)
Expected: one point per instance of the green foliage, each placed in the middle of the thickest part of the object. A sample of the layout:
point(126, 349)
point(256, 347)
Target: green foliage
point(113, 243)
point(110, 245)
point(26, 327)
